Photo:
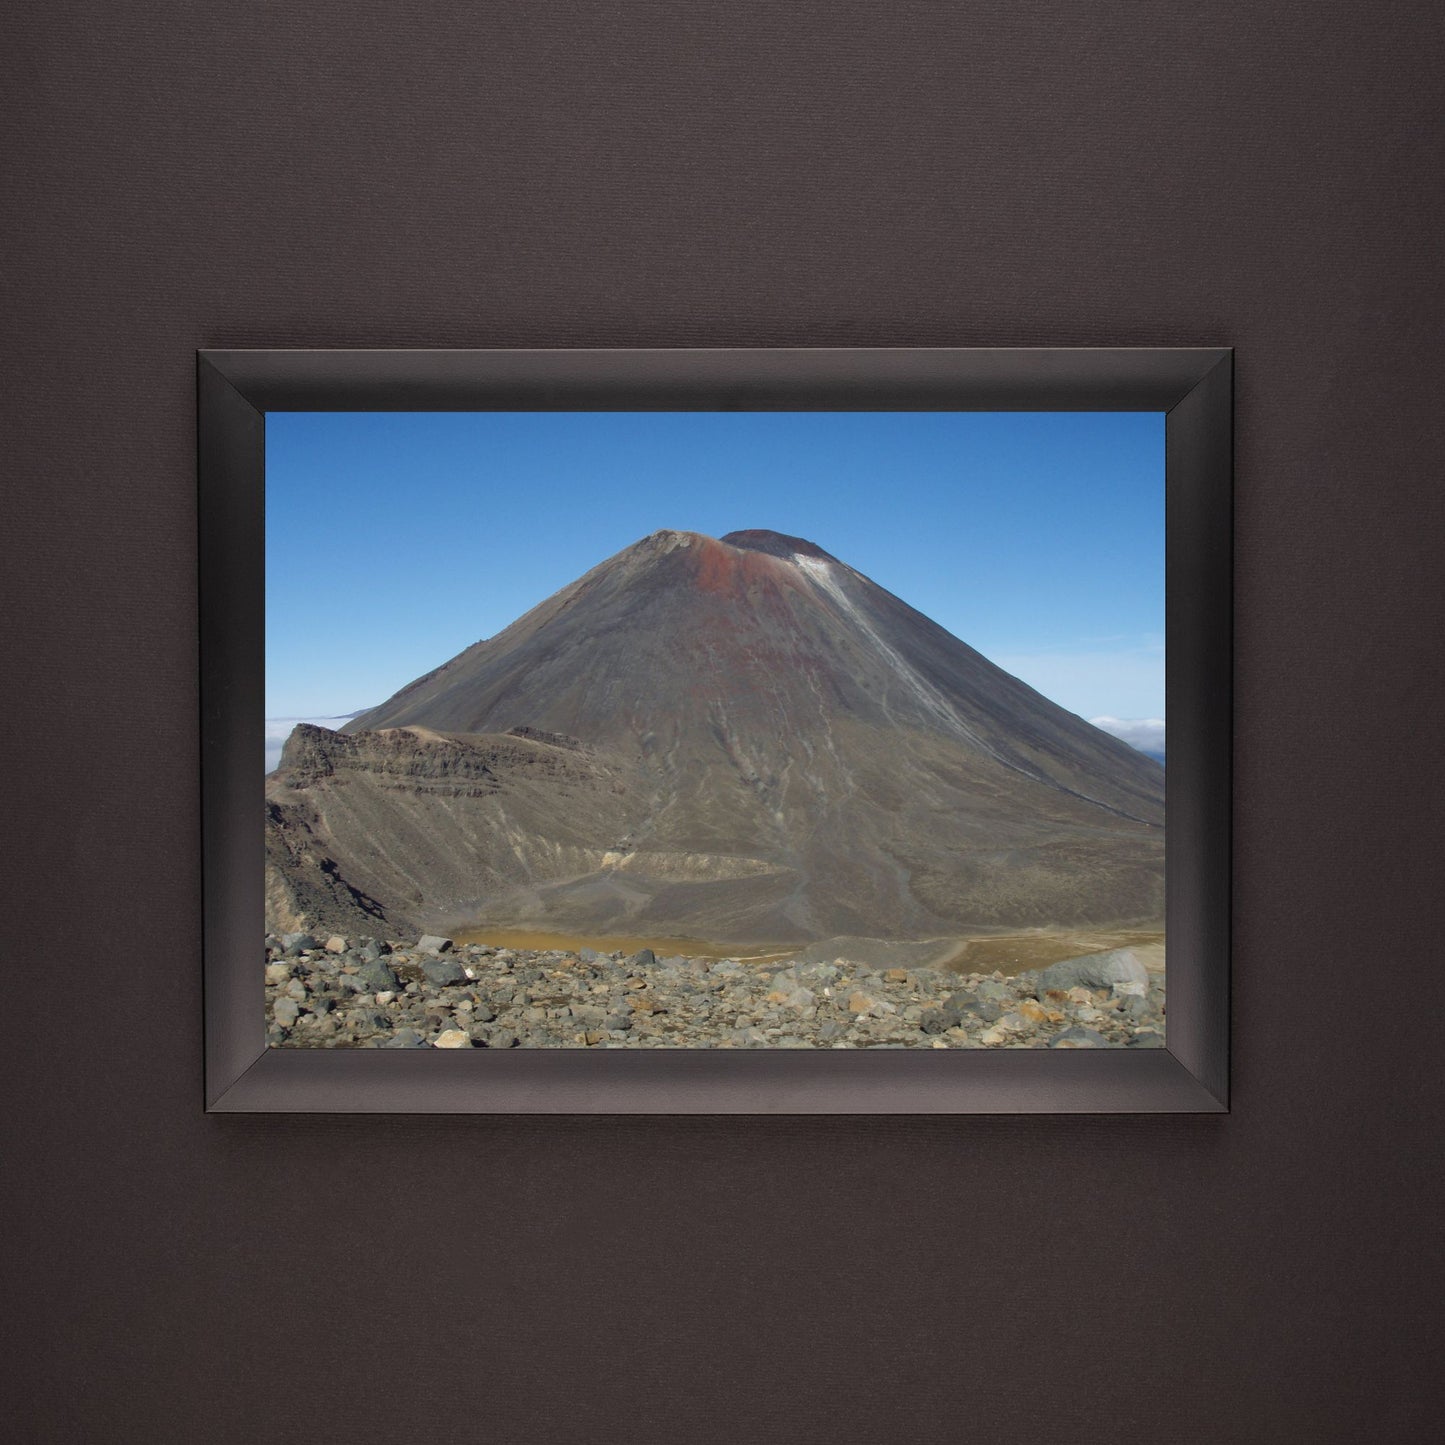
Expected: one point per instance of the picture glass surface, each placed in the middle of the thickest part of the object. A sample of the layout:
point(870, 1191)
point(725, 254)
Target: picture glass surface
point(715, 730)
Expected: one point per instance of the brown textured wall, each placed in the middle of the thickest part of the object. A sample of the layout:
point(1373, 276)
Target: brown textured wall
point(1257, 174)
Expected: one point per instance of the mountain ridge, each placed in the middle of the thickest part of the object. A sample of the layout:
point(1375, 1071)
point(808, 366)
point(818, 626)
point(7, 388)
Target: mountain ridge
point(746, 698)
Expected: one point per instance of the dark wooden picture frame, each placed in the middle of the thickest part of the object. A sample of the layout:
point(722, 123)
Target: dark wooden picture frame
point(1194, 386)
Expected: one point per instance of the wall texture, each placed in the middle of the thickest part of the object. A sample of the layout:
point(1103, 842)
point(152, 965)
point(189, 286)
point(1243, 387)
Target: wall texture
point(1264, 175)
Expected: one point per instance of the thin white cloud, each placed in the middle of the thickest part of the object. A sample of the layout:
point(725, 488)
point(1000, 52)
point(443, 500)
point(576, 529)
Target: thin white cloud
point(1144, 733)
point(278, 729)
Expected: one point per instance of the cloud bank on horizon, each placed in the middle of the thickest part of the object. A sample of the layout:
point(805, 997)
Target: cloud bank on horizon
point(278, 729)
point(1144, 733)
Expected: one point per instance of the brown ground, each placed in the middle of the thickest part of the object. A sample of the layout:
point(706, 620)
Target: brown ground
point(1008, 953)
point(1039, 947)
point(615, 943)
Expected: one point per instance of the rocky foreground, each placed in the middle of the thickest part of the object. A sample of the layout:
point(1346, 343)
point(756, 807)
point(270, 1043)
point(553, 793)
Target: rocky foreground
point(340, 992)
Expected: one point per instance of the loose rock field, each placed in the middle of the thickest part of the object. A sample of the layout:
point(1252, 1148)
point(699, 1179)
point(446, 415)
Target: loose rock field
point(365, 993)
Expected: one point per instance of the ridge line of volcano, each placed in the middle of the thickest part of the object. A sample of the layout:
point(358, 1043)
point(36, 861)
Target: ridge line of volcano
point(890, 780)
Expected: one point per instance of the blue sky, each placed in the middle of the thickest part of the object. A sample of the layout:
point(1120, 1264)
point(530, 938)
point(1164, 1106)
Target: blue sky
point(394, 540)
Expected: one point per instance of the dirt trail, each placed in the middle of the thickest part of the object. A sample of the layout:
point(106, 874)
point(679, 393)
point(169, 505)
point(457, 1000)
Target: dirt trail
point(1009, 953)
point(615, 943)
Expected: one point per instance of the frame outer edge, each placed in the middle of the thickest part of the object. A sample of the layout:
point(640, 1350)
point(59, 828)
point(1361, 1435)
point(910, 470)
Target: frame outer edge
point(230, 478)
point(1199, 448)
point(1192, 385)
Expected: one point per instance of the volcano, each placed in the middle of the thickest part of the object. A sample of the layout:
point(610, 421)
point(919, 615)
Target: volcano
point(742, 740)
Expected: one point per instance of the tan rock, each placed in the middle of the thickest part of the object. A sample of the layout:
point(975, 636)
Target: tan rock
point(1036, 1013)
point(798, 998)
point(453, 1039)
point(336, 944)
point(862, 1002)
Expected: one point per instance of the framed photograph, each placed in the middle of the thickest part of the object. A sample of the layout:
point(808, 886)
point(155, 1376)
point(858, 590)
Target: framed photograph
point(716, 731)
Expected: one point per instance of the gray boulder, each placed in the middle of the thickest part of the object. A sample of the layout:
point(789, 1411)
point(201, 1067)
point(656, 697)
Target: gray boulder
point(1118, 969)
point(377, 976)
point(815, 972)
point(442, 972)
point(433, 943)
point(1079, 1037)
point(986, 1009)
point(1147, 1039)
point(406, 1039)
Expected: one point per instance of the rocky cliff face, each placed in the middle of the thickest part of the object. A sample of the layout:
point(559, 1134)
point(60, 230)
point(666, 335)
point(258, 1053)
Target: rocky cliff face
point(744, 740)
point(431, 823)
